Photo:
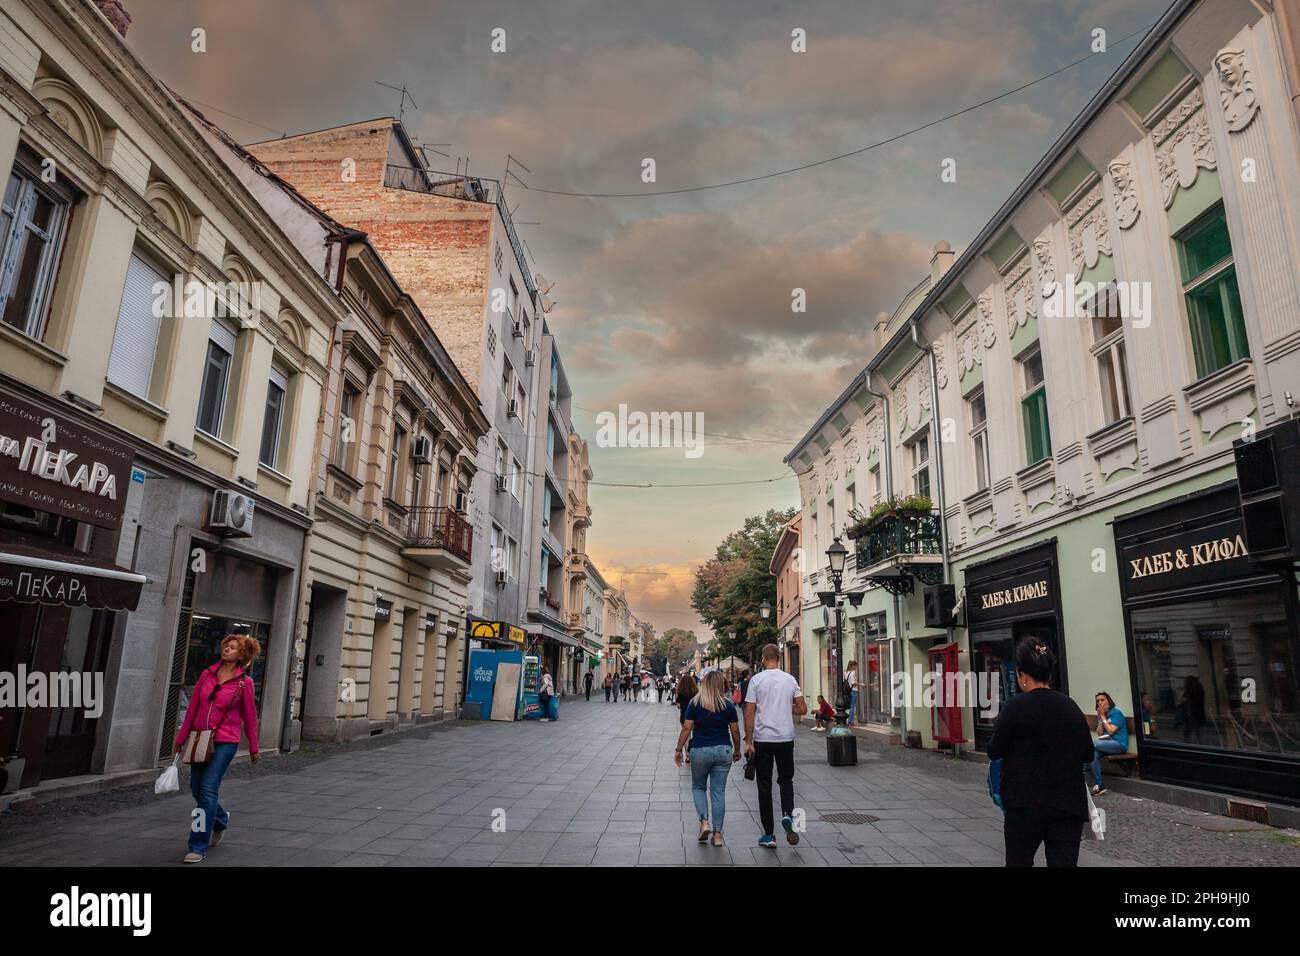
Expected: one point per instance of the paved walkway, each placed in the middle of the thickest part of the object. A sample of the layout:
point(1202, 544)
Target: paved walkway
point(597, 787)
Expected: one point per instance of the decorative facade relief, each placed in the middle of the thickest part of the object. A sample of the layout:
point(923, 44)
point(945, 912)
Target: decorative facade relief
point(968, 348)
point(1088, 229)
point(940, 367)
point(1021, 297)
point(1046, 264)
point(912, 393)
point(988, 331)
point(852, 454)
point(1183, 145)
point(1127, 209)
point(832, 469)
point(1236, 89)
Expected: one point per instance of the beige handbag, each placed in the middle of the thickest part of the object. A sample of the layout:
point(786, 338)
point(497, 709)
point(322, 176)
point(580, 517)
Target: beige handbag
point(200, 745)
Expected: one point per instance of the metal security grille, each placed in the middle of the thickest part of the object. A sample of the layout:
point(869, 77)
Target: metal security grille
point(176, 678)
point(847, 818)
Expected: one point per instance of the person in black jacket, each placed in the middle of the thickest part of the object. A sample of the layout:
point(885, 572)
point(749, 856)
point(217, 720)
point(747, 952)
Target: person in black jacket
point(1042, 739)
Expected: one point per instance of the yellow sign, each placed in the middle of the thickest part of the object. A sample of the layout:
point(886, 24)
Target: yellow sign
point(485, 630)
point(517, 635)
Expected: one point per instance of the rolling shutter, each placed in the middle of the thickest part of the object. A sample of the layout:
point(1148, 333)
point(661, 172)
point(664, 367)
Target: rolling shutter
point(136, 338)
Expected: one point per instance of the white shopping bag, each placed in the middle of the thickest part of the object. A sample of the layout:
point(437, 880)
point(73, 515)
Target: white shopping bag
point(1096, 818)
point(170, 780)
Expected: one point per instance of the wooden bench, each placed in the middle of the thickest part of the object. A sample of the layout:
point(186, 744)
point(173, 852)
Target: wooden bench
point(1126, 764)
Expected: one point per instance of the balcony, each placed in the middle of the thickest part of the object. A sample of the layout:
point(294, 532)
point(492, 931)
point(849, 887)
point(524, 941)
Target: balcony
point(902, 544)
point(576, 622)
point(439, 538)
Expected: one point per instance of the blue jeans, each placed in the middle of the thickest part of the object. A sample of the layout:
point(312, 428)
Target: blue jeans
point(205, 781)
point(710, 765)
point(853, 707)
point(1104, 747)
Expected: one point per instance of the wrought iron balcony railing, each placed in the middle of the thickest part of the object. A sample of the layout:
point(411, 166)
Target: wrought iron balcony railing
point(904, 534)
point(440, 527)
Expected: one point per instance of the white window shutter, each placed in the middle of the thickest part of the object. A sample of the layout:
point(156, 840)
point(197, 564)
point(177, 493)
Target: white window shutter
point(136, 338)
point(223, 335)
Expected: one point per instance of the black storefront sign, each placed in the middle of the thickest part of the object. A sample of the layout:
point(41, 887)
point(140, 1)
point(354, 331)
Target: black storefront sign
point(1179, 557)
point(1012, 588)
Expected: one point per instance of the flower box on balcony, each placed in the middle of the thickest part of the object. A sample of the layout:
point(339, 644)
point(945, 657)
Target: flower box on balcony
point(900, 534)
point(915, 506)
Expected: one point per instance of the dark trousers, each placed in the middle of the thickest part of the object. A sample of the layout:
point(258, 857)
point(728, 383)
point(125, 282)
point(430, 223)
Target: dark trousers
point(1024, 829)
point(782, 754)
point(588, 692)
point(607, 690)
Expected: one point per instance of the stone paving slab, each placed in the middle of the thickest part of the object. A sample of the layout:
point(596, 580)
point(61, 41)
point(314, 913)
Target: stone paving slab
point(597, 787)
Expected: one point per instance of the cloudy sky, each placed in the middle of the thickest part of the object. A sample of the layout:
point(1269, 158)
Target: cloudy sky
point(683, 302)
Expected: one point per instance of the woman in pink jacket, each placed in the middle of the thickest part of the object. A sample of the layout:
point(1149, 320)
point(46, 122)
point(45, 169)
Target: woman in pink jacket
point(223, 700)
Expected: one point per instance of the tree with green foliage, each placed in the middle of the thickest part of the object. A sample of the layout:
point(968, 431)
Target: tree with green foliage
point(731, 587)
point(671, 648)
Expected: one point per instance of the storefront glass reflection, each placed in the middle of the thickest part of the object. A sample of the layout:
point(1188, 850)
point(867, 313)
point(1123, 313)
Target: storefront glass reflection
point(1219, 672)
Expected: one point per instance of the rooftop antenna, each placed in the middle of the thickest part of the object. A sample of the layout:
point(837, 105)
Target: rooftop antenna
point(401, 103)
point(511, 160)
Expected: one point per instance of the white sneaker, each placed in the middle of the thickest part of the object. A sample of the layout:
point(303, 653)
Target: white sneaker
point(544, 720)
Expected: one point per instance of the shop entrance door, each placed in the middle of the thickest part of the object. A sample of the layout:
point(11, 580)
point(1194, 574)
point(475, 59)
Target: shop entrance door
point(993, 662)
point(71, 740)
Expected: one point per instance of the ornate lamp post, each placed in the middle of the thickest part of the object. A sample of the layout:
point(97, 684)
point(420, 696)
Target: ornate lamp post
point(765, 612)
point(841, 745)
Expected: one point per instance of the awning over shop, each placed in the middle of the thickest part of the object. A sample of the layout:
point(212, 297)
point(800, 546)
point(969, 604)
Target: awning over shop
point(36, 576)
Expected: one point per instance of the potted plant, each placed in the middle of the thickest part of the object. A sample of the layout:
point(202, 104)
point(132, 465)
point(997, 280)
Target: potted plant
point(913, 506)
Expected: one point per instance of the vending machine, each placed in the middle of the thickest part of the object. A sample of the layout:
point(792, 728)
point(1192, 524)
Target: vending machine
point(530, 704)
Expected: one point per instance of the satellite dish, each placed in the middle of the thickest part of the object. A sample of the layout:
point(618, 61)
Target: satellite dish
point(547, 302)
point(542, 284)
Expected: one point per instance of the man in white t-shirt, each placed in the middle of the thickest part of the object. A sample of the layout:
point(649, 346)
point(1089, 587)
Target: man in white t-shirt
point(771, 704)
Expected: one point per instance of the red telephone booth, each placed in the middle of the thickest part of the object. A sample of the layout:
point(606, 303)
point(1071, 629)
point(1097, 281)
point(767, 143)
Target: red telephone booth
point(946, 715)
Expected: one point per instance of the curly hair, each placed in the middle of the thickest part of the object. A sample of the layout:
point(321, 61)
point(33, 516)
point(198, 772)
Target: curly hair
point(249, 647)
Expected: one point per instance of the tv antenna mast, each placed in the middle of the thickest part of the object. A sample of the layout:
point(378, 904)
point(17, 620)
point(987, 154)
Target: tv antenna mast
point(401, 102)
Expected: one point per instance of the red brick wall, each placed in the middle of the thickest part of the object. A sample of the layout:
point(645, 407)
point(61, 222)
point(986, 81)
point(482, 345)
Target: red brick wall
point(439, 248)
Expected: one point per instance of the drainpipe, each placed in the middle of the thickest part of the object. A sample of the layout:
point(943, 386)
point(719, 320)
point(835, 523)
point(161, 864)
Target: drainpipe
point(889, 493)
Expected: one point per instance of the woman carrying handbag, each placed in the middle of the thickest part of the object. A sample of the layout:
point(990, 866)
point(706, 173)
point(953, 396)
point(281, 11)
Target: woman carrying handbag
point(221, 709)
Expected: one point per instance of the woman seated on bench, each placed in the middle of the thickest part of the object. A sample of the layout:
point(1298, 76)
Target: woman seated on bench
point(1112, 737)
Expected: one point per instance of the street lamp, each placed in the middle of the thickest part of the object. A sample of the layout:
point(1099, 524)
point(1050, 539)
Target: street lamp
point(841, 745)
point(765, 609)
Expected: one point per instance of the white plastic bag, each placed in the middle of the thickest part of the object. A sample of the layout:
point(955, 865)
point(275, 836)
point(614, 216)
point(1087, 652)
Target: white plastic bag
point(1096, 818)
point(170, 780)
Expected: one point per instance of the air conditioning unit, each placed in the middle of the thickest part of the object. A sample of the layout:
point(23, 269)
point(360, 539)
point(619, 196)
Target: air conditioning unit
point(502, 482)
point(462, 502)
point(514, 408)
point(501, 577)
point(231, 514)
point(530, 358)
point(518, 328)
point(422, 450)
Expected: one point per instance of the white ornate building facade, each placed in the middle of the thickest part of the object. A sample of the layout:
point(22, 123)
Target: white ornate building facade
point(1067, 393)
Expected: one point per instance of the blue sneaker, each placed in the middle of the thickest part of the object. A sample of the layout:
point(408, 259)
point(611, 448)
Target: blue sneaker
point(787, 823)
point(768, 841)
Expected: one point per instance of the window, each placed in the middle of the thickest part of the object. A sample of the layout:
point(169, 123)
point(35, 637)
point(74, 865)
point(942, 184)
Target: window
point(345, 435)
point(921, 466)
point(439, 484)
point(417, 484)
point(830, 519)
point(550, 443)
point(1033, 405)
point(32, 221)
point(273, 417)
point(979, 438)
point(130, 365)
point(507, 375)
point(516, 474)
point(216, 377)
point(1108, 353)
point(512, 557)
point(1210, 288)
point(395, 461)
point(528, 328)
point(496, 554)
point(521, 401)
point(851, 496)
point(874, 484)
point(512, 300)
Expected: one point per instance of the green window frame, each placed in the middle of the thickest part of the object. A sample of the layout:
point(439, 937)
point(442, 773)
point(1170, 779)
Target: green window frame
point(1038, 435)
point(1209, 276)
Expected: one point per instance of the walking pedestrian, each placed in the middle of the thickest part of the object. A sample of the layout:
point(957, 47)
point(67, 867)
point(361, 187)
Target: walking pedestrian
point(645, 688)
point(1042, 738)
point(545, 694)
point(224, 691)
point(659, 687)
point(587, 681)
point(1112, 736)
point(742, 685)
point(609, 685)
point(851, 685)
point(627, 684)
point(686, 689)
point(710, 721)
point(771, 705)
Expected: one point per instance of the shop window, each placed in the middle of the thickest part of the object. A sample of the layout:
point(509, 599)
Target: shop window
point(139, 322)
point(33, 220)
point(1210, 289)
point(1033, 406)
point(1219, 672)
point(979, 438)
point(216, 378)
point(273, 417)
